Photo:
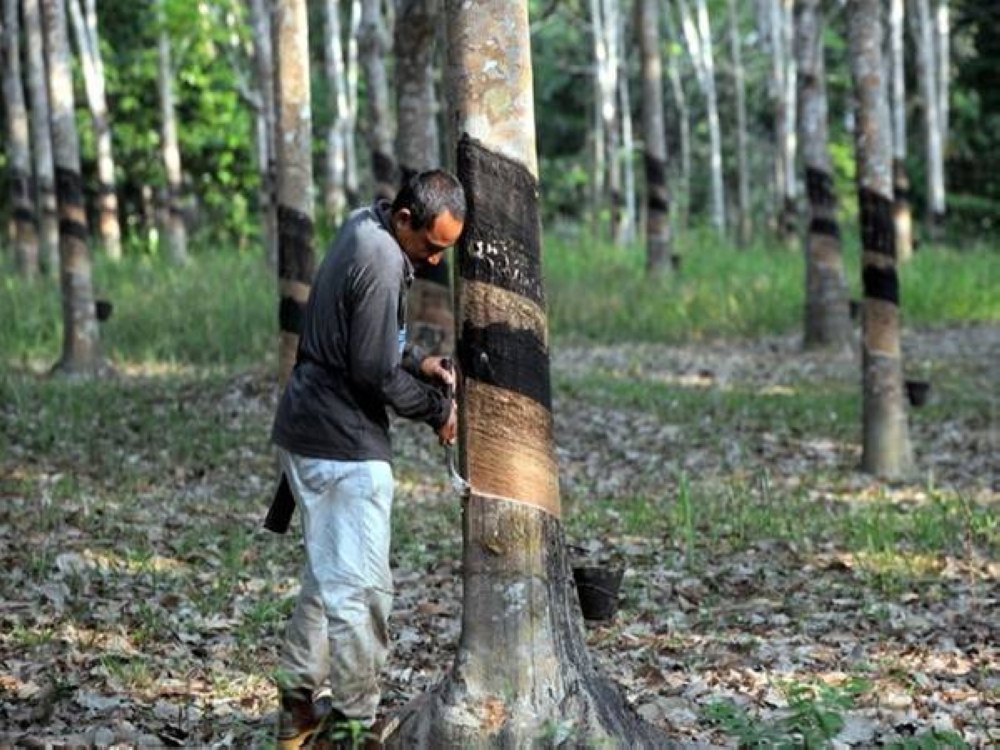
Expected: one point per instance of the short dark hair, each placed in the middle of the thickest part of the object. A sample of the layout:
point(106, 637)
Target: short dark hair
point(429, 194)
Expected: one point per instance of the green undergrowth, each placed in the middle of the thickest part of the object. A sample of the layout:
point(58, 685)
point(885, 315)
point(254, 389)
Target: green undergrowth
point(602, 293)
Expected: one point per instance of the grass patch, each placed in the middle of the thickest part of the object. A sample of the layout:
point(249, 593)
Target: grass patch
point(601, 293)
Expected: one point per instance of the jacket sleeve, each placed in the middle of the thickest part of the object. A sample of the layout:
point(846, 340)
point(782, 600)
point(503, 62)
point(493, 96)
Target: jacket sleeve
point(375, 363)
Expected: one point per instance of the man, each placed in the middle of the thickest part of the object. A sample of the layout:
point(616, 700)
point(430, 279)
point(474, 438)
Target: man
point(332, 434)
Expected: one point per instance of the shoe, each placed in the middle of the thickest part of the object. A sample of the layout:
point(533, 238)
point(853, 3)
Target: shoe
point(299, 718)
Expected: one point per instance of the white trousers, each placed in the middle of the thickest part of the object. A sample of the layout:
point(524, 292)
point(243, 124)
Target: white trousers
point(338, 635)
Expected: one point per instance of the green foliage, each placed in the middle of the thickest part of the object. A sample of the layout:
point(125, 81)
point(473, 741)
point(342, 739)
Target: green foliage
point(814, 716)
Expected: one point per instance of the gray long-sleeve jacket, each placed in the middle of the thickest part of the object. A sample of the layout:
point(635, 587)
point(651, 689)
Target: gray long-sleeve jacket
point(351, 362)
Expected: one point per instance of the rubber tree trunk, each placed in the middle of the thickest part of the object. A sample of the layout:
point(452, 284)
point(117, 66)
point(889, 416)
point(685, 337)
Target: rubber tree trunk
point(627, 217)
point(744, 221)
point(351, 179)
point(41, 140)
point(927, 67)
point(340, 128)
point(942, 50)
point(81, 354)
point(296, 262)
point(683, 194)
point(827, 316)
point(374, 47)
point(263, 60)
point(658, 245)
point(172, 208)
point(599, 142)
point(605, 28)
point(92, 65)
point(18, 145)
point(886, 448)
point(901, 214)
point(522, 675)
point(698, 33)
point(431, 322)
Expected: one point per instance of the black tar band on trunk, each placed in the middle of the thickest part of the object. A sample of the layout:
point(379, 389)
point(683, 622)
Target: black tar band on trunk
point(501, 244)
point(22, 214)
point(656, 183)
point(290, 314)
point(829, 227)
point(295, 245)
point(881, 283)
point(901, 194)
point(512, 359)
point(69, 187)
point(878, 231)
point(819, 188)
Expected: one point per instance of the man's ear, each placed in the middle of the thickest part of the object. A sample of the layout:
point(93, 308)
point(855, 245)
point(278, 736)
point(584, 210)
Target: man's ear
point(406, 216)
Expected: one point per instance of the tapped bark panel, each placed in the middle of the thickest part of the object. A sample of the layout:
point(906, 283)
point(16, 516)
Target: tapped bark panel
point(877, 227)
point(295, 245)
point(881, 327)
point(502, 241)
point(824, 249)
point(484, 305)
point(512, 359)
point(510, 448)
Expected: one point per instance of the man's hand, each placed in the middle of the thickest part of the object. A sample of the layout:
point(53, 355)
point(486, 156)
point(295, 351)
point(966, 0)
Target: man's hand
point(449, 430)
point(438, 369)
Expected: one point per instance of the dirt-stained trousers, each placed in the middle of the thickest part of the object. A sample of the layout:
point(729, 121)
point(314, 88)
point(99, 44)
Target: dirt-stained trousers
point(338, 637)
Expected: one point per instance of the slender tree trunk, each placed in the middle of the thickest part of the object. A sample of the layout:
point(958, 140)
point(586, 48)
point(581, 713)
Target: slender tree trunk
point(698, 33)
point(81, 353)
point(658, 250)
point(172, 207)
point(522, 676)
point(942, 40)
point(18, 148)
point(901, 214)
point(87, 42)
point(431, 322)
point(790, 203)
point(334, 195)
point(927, 68)
point(627, 218)
point(827, 318)
point(41, 141)
point(350, 120)
point(744, 222)
point(374, 45)
point(599, 165)
point(296, 262)
point(609, 108)
point(683, 196)
point(263, 58)
point(886, 448)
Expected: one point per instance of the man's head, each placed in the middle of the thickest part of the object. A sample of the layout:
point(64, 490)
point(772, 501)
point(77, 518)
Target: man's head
point(428, 215)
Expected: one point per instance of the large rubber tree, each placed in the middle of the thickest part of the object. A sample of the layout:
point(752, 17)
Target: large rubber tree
point(886, 448)
point(827, 318)
point(522, 675)
point(296, 262)
point(430, 318)
point(81, 354)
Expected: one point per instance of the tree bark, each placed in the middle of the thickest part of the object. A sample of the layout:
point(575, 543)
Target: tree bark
point(296, 262)
point(431, 323)
point(627, 218)
point(263, 59)
point(81, 355)
point(19, 148)
point(658, 245)
point(683, 197)
point(599, 154)
point(927, 75)
point(172, 207)
point(522, 676)
point(335, 195)
point(744, 222)
point(373, 46)
point(942, 51)
point(901, 214)
point(886, 448)
point(827, 318)
point(698, 33)
point(41, 141)
point(87, 42)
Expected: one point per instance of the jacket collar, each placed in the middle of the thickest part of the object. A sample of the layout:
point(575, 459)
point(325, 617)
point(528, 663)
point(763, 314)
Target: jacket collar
point(382, 209)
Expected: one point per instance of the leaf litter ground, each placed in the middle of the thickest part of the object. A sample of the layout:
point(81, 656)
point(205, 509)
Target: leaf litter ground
point(142, 603)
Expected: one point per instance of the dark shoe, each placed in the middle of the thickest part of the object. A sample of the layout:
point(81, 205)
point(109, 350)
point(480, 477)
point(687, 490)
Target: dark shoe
point(299, 718)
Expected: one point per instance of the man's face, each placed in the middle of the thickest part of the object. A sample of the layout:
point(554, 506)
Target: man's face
point(427, 245)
